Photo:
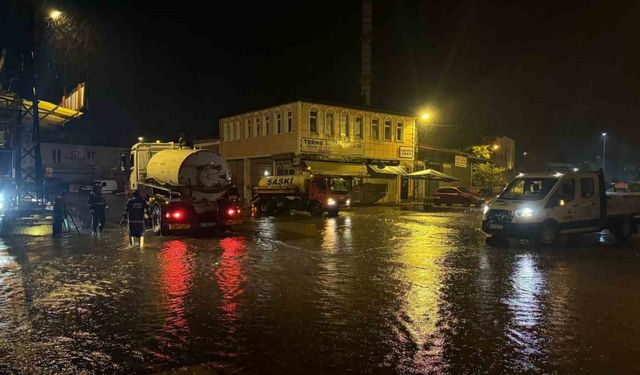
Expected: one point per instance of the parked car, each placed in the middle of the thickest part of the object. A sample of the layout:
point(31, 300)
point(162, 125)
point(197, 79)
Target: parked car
point(457, 195)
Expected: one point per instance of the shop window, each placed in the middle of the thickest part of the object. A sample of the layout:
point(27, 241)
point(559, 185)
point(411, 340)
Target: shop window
point(358, 128)
point(330, 124)
point(387, 130)
point(400, 131)
point(375, 128)
point(313, 121)
point(289, 121)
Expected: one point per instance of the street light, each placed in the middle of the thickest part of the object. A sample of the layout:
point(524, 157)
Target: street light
point(55, 14)
point(494, 148)
point(604, 148)
point(140, 139)
point(425, 116)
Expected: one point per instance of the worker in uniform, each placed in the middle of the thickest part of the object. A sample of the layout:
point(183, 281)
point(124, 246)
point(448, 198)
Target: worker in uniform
point(134, 214)
point(97, 207)
point(59, 214)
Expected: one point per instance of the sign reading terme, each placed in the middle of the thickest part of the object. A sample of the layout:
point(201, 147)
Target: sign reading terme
point(461, 161)
point(329, 146)
point(405, 152)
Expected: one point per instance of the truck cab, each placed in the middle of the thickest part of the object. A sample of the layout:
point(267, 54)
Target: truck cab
point(542, 206)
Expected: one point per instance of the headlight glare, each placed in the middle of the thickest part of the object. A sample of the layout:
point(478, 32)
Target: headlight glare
point(524, 212)
point(331, 202)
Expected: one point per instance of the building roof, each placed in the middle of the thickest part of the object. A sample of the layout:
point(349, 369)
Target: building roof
point(323, 102)
point(50, 114)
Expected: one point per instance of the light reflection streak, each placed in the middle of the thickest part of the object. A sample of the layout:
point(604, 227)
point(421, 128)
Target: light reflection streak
point(230, 274)
point(420, 251)
point(176, 278)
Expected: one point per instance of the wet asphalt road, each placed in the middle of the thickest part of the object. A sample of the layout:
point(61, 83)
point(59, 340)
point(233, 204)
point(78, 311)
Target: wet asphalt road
point(377, 290)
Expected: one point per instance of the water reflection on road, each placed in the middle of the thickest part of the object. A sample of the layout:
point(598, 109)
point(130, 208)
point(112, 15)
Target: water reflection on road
point(377, 289)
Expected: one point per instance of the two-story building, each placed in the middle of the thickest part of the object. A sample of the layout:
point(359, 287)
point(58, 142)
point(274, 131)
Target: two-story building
point(372, 149)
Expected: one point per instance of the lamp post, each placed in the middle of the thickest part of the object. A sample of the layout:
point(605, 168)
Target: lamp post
point(524, 161)
point(604, 148)
point(493, 164)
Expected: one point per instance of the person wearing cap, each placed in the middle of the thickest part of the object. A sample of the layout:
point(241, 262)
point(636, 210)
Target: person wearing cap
point(97, 207)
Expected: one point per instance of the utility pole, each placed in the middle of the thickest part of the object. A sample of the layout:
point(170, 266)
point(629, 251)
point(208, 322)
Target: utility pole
point(35, 110)
point(365, 67)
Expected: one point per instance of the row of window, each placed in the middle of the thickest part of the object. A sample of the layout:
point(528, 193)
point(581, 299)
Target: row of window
point(258, 126)
point(358, 131)
point(56, 155)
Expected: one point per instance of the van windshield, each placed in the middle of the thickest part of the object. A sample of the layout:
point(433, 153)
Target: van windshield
point(528, 188)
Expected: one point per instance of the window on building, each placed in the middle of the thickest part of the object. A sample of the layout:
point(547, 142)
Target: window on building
point(267, 124)
point(256, 123)
point(313, 121)
point(400, 131)
point(344, 125)
point(289, 121)
point(230, 135)
point(57, 156)
point(53, 156)
point(387, 130)
point(375, 128)
point(238, 130)
point(247, 128)
point(359, 129)
point(330, 124)
point(88, 155)
point(278, 123)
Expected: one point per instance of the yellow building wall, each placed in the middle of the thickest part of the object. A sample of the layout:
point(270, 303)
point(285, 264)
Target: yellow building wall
point(262, 144)
point(371, 148)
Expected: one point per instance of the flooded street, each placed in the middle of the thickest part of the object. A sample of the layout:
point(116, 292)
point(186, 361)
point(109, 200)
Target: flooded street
point(374, 290)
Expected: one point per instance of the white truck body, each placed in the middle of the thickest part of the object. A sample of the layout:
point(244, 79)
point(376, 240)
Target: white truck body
point(543, 205)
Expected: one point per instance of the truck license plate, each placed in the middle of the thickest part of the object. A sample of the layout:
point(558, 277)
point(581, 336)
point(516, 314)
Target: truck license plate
point(495, 226)
point(179, 226)
point(207, 225)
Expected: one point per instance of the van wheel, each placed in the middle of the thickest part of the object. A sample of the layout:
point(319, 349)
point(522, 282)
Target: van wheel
point(548, 233)
point(332, 213)
point(315, 209)
point(623, 230)
point(497, 240)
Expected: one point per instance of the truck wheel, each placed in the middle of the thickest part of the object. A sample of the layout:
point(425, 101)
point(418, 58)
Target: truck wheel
point(156, 221)
point(623, 230)
point(332, 213)
point(548, 234)
point(315, 209)
point(265, 207)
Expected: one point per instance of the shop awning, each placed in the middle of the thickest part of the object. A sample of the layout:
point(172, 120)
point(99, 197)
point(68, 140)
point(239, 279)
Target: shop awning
point(50, 114)
point(328, 168)
point(388, 169)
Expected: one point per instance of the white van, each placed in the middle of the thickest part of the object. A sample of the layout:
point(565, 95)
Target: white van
point(544, 205)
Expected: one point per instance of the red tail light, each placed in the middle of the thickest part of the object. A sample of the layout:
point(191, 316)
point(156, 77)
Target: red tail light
point(233, 211)
point(175, 215)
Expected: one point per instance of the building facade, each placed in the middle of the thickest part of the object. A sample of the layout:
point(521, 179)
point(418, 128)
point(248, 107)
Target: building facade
point(371, 149)
point(505, 154)
point(72, 163)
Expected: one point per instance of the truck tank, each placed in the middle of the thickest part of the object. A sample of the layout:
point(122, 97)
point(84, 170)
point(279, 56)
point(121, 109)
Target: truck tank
point(202, 169)
point(284, 182)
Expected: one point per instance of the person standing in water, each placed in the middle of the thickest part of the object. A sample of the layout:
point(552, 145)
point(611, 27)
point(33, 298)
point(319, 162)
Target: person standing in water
point(134, 214)
point(59, 214)
point(97, 207)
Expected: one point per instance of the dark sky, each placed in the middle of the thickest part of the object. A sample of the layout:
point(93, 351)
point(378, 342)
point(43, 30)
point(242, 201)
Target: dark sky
point(551, 75)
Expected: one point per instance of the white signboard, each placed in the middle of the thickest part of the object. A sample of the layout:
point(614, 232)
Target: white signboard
point(461, 161)
point(325, 146)
point(405, 152)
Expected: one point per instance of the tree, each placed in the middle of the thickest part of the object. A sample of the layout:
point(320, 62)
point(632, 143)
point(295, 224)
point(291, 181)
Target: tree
point(487, 177)
point(481, 151)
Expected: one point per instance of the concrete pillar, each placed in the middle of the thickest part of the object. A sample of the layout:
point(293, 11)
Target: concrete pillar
point(247, 180)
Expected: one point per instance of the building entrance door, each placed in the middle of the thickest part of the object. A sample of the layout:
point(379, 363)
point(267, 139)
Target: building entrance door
point(404, 188)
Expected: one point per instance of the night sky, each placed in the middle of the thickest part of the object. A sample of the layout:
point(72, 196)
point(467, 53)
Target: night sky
point(552, 75)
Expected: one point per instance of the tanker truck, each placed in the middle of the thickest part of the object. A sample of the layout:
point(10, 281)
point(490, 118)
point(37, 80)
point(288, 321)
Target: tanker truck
point(305, 192)
point(185, 189)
